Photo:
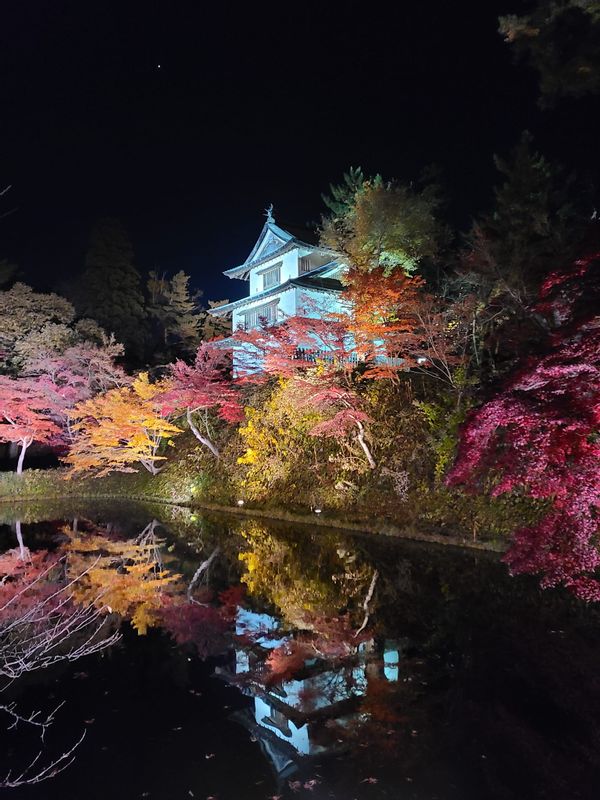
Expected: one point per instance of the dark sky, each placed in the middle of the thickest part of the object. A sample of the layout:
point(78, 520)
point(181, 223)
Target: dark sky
point(253, 103)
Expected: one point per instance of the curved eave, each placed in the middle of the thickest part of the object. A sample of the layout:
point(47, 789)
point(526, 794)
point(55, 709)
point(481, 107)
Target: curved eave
point(303, 282)
point(226, 309)
point(243, 271)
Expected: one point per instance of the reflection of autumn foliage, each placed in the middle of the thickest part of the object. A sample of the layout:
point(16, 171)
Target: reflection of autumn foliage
point(230, 599)
point(540, 433)
point(333, 637)
point(277, 570)
point(204, 626)
point(381, 702)
point(122, 576)
point(285, 661)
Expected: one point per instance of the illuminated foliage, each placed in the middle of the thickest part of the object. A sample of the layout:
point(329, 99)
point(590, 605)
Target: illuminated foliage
point(120, 576)
point(201, 387)
point(27, 412)
point(382, 225)
point(277, 441)
point(540, 435)
point(119, 429)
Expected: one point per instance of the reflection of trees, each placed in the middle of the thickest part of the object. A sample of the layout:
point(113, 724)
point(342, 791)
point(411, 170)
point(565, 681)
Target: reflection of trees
point(123, 576)
point(303, 578)
point(40, 626)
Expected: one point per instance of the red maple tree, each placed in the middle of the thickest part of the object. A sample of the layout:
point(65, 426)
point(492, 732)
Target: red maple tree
point(200, 387)
point(540, 434)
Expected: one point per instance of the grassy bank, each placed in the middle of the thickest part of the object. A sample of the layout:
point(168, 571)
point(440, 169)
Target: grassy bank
point(194, 479)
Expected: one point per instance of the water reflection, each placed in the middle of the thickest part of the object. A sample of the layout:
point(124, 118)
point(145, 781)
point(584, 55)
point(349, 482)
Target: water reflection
point(359, 667)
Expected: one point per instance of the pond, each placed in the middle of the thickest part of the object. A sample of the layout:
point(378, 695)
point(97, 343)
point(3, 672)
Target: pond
point(152, 652)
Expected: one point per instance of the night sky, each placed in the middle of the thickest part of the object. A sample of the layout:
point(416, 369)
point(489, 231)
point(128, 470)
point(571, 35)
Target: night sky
point(252, 103)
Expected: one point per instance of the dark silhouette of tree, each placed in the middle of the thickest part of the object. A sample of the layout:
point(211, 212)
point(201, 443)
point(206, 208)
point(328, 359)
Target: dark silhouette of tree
point(110, 289)
point(561, 41)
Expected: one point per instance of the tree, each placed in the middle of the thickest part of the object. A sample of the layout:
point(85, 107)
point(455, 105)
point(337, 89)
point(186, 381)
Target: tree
point(40, 626)
point(121, 428)
point(27, 413)
point(202, 387)
point(316, 355)
point(28, 319)
point(174, 312)
point(540, 435)
point(212, 327)
point(561, 41)
point(120, 576)
point(376, 224)
point(110, 288)
point(534, 223)
point(88, 368)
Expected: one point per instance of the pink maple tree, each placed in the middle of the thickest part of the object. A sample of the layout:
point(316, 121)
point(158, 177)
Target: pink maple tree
point(203, 386)
point(28, 409)
point(541, 434)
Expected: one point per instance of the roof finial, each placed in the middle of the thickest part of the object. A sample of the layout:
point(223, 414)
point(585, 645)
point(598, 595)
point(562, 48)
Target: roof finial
point(269, 213)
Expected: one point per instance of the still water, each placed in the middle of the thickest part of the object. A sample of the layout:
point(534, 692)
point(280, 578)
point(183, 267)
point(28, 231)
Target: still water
point(148, 652)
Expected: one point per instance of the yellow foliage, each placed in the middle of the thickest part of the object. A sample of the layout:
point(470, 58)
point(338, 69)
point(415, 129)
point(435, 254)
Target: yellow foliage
point(277, 441)
point(121, 428)
point(120, 576)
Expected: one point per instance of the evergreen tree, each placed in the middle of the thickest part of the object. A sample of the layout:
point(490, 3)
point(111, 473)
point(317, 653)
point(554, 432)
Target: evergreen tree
point(533, 225)
point(110, 289)
point(172, 309)
point(183, 319)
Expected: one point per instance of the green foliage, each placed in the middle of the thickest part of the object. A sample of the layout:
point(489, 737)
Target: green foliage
point(173, 311)
point(343, 195)
point(479, 517)
point(387, 225)
point(444, 418)
point(534, 225)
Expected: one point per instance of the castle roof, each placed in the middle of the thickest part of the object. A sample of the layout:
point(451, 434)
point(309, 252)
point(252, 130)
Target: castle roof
point(273, 242)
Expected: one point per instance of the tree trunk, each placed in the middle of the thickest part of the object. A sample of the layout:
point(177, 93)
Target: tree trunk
point(24, 446)
point(361, 440)
point(204, 566)
point(150, 466)
point(203, 439)
point(19, 532)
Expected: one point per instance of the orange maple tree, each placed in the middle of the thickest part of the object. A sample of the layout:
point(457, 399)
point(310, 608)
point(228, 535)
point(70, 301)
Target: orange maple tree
point(119, 429)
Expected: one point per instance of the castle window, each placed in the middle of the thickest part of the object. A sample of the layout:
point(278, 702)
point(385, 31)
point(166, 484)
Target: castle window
point(272, 277)
point(266, 314)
